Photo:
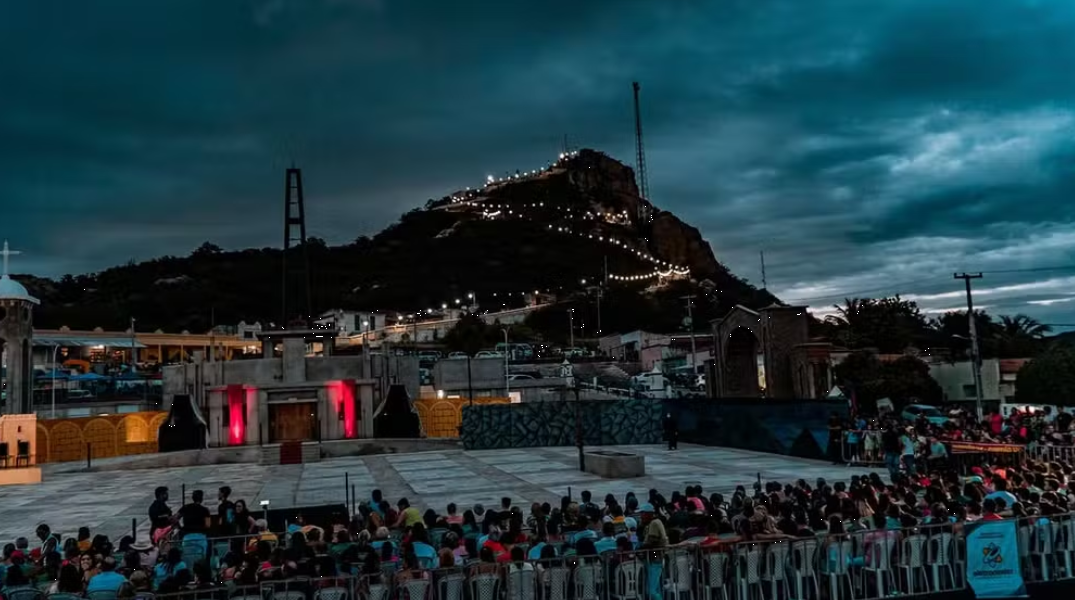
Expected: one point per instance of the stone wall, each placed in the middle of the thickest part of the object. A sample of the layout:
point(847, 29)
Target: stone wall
point(533, 424)
point(790, 427)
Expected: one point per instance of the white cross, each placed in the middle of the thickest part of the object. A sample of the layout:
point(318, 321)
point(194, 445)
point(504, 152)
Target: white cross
point(6, 253)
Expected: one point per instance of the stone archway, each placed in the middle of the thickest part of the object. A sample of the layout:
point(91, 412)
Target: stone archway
point(741, 364)
point(737, 343)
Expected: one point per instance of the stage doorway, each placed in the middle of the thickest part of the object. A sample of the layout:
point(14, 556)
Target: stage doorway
point(293, 422)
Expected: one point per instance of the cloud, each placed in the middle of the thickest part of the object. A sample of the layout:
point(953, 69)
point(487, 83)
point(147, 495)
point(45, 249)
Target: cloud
point(873, 151)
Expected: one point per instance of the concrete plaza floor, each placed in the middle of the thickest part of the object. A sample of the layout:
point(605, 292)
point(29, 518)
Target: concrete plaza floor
point(107, 501)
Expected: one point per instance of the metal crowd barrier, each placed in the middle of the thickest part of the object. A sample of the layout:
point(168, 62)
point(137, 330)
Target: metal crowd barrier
point(1048, 453)
point(862, 448)
point(861, 565)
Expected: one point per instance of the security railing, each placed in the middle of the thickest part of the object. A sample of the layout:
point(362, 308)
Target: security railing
point(1047, 453)
point(868, 564)
point(862, 447)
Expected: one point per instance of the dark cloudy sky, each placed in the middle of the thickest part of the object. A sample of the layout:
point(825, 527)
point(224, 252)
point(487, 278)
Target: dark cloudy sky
point(868, 146)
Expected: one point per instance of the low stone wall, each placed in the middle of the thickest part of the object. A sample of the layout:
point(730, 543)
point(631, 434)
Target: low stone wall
point(615, 465)
point(553, 423)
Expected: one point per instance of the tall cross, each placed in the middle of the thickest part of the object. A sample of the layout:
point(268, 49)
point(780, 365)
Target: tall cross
point(6, 252)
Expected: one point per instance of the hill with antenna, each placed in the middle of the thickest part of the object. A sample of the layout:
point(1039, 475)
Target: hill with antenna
point(565, 228)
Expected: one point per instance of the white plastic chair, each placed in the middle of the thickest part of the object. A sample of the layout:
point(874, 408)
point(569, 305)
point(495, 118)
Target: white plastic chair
point(940, 561)
point(912, 563)
point(836, 564)
point(414, 589)
point(879, 565)
point(677, 575)
point(557, 581)
point(331, 593)
point(775, 573)
point(521, 584)
point(803, 568)
point(715, 576)
point(451, 586)
point(748, 571)
point(627, 581)
point(587, 577)
point(485, 586)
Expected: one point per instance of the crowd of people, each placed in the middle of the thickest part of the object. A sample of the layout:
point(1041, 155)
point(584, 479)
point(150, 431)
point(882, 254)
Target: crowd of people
point(225, 547)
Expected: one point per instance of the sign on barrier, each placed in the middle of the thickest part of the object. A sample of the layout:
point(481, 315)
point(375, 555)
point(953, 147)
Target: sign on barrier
point(963, 447)
point(993, 569)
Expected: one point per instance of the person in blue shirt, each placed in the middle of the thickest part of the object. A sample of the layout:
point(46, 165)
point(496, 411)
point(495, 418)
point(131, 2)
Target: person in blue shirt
point(108, 580)
point(607, 543)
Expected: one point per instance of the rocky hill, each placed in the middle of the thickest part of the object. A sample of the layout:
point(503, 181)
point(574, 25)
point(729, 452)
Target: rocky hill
point(559, 229)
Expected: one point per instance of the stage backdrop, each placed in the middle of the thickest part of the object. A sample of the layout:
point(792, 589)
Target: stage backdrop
point(791, 427)
point(533, 424)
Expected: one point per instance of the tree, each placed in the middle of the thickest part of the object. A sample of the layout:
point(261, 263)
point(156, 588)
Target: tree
point(207, 249)
point(891, 325)
point(470, 334)
point(1019, 336)
point(1049, 378)
point(904, 381)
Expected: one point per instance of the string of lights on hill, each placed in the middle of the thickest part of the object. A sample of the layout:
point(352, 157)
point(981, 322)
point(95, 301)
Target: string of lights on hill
point(475, 198)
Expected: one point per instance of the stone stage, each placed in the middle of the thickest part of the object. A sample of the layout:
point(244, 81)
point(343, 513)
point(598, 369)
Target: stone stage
point(107, 501)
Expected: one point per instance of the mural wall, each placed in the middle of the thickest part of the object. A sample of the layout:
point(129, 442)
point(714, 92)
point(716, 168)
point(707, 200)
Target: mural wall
point(441, 417)
point(791, 427)
point(554, 423)
point(60, 440)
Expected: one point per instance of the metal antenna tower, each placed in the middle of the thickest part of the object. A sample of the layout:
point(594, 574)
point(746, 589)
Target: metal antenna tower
point(296, 272)
point(640, 159)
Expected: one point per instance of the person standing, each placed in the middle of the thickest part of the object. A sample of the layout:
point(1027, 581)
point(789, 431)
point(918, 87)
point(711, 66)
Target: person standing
point(907, 453)
point(890, 445)
point(671, 431)
point(160, 515)
point(835, 441)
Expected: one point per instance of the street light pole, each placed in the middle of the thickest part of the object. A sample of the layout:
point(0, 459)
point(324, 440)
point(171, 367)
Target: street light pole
point(507, 357)
point(571, 327)
point(55, 347)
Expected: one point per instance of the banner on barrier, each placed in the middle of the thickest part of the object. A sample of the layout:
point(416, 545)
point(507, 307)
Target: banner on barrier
point(964, 447)
point(993, 569)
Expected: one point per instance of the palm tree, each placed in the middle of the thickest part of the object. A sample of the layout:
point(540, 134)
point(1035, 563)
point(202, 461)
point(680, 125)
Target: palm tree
point(1020, 336)
point(847, 320)
point(1022, 327)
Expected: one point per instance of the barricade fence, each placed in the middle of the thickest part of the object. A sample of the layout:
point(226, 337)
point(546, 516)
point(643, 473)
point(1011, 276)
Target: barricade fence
point(860, 565)
point(1048, 453)
point(863, 447)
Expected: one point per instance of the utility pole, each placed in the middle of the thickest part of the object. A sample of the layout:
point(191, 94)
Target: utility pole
point(976, 357)
point(571, 328)
point(690, 329)
point(764, 282)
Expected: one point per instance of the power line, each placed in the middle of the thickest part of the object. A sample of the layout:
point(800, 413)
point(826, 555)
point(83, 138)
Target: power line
point(1030, 270)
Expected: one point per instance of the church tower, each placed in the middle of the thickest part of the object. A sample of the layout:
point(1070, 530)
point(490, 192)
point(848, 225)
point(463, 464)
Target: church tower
point(16, 339)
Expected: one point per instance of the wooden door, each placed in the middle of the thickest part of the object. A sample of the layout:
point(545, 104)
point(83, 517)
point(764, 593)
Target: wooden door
point(295, 421)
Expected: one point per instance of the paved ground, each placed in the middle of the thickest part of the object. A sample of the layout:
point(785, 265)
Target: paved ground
point(107, 501)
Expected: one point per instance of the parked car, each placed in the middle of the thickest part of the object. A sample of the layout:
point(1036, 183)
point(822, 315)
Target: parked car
point(518, 376)
point(488, 354)
point(458, 355)
point(575, 352)
point(931, 413)
point(429, 355)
